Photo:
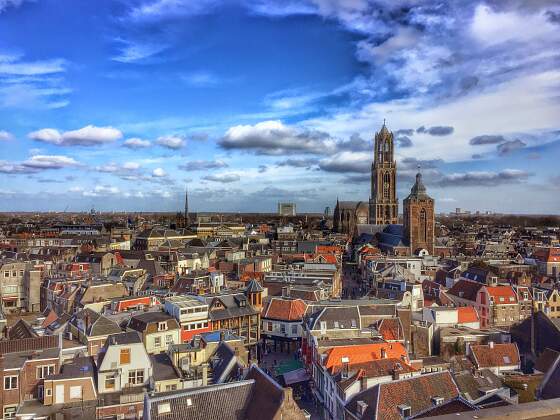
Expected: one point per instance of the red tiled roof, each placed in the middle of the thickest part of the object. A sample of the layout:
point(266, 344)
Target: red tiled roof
point(363, 353)
point(465, 289)
point(391, 329)
point(466, 314)
point(285, 310)
point(50, 318)
point(498, 355)
point(502, 294)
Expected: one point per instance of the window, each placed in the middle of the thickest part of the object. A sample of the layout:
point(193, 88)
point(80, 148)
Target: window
point(10, 382)
point(44, 371)
point(294, 329)
point(157, 341)
point(76, 392)
point(110, 381)
point(10, 412)
point(136, 377)
point(168, 339)
point(125, 357)
point(6, 274)
point(162, 326)
point(283, 328)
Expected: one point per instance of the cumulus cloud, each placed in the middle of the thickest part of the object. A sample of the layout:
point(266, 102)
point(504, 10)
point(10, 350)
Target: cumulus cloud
point(171, 142)
point(486, 139)
point(355, 144)
point(486, 179)
point(299, 163)
point(116, 168)
point(275, 138)
point(5, 135)
point(202, 165)
point(345, 162)
point(510, 146)
point(49, 162)
point(225, 178)
point(404, 132)
point(437, 130)
point(89, 135)
point(136, 143)
point(404, 141)
point(159, 173)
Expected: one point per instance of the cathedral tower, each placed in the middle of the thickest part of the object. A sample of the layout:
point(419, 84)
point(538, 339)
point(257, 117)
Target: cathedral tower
point(383, 203)
point(419, 218)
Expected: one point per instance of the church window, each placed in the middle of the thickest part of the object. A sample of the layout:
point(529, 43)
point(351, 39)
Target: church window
point(386, 185)
point(423, 234)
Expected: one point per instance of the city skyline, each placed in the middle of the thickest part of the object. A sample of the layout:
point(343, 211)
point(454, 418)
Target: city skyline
point(119, 105)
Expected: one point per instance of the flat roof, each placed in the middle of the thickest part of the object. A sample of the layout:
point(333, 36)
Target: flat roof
point(185, 301)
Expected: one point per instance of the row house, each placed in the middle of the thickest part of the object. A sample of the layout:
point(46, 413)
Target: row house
point(20, 288)
point(238, 312)
point(548, 261)
point(497, 306)
point(159, 330)
point(191, 312)
point(24, 365)
point(282, 323)
point(546, 300)
point(91, 329)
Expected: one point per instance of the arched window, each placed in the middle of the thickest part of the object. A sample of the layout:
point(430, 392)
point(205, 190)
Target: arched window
point(423, 226)
point(386, 185)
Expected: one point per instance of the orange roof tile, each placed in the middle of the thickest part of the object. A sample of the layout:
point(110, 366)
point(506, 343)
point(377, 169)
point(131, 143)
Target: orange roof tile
point(497, 355)
point(502, 294)
point(286, 310)
point(466, 314)
point(363, 353)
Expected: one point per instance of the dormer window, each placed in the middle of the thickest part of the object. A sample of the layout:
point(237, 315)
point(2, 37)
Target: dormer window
point(162, 326)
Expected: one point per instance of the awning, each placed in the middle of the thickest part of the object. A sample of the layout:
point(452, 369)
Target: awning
point(296, 376)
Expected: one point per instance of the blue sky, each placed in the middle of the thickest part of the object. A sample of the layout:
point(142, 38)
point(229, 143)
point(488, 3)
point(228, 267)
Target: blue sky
point(121, 104)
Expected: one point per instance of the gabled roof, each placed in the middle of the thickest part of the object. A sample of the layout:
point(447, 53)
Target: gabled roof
point(383, 400)
point(465, 289)
point(494, 355)
point(285, 309)
point(466, 314)
point(363, 353)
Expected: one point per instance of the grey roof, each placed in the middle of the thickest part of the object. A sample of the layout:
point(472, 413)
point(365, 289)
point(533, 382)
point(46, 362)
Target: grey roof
point(418, 190)
point(131, 337)
point(75, 368)
point(17, 360)
point(163, 369)
point(223, 362)
point(336, 317)
point(224, 401)
point(254, 287)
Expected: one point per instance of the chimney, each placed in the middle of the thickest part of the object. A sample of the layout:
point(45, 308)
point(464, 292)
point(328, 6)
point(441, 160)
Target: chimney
point(361, 408)
point(344, 373)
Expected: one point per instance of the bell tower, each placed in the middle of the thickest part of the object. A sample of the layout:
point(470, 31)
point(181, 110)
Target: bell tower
point(419, 218)
point(383, 203)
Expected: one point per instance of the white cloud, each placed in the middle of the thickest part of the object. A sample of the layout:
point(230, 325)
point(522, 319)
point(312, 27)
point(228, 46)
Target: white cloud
point(136, 143)
point(161, 9)
point(133, 51)
point(159, 173)
point(171, 142)
point(490, 27)
point(87, 136)
point(275, 138)
point(224, 178)
point(201, 79)
point(13, 65)
point(5, 135)
point(49, 162)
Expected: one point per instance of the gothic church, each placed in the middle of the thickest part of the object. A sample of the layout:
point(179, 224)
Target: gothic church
point(380, 216)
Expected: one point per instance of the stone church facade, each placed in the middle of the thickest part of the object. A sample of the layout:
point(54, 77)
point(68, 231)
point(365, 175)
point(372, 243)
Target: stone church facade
point(381, 213)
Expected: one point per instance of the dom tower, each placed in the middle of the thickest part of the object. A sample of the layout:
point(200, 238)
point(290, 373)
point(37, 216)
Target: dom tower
point(383, 203)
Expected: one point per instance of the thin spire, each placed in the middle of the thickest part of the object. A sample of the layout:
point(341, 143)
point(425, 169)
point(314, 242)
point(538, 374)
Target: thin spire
point(186, 215)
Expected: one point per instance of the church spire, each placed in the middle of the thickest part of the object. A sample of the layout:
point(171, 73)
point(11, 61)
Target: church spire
point(186, 215)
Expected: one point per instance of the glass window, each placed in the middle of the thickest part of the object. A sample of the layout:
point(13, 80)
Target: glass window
point(110, 381)
point(10, 412)
point(44, 371)
point(136, 377)
point(157, 341)
point(10, 382)
point(168, 339)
